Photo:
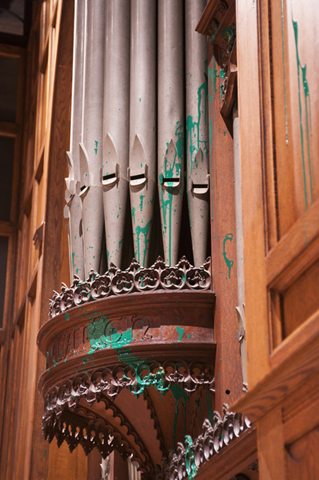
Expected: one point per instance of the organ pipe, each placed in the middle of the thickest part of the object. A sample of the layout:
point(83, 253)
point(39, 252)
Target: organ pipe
point(92, 132)
point(116, 126)
point(73, 209)
point(142, 161)
point(197, 130)
point(170, 123)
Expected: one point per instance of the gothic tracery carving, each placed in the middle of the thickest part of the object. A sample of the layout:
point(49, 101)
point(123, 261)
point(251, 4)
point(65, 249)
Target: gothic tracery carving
point(132, 280)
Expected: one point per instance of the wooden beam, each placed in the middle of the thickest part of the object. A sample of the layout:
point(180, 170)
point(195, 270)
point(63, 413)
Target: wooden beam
point(8, 129)
point(2, 336)
point(10, 51)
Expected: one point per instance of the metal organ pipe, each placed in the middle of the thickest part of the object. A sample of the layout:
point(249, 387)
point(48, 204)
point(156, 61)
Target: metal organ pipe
point(142, 161)
point(170, 123)
point(197, 130)
point(92, 126)
point(73, 210)
point(116, 125)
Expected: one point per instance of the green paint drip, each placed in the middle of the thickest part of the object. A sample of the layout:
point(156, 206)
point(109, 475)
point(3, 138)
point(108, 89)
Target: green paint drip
point(73, 256)
point(193, 142)
point(141, 202)
point(67, 316)
point(307, 97)
point(96, 145)
point(190, 464)
point(210, 408)
point(306, 94)
point(228, 262)
point(172, 170)
point(133, 214)
point(179, 394)
point(284, 68)
point(180, 332)
point(144, 231)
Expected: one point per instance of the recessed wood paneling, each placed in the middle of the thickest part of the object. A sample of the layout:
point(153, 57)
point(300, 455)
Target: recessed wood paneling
point(300, 300)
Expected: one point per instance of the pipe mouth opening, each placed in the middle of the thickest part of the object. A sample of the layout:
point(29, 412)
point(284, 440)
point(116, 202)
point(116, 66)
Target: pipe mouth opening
point(83, 190)
point(110, 179)
point(139, 179)
point(200, 188)
point(172, 182)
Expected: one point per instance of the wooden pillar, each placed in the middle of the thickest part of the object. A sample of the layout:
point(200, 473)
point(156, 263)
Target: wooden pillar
point(228, 375)
point(118, 467)
point(94, 465)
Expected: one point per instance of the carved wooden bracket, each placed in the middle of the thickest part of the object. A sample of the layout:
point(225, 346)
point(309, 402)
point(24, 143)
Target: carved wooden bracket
point(191, 455)
point(219, 23)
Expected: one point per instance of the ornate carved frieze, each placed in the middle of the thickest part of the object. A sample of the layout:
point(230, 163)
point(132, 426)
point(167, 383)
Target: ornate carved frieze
point(136, 378)
point(214, 438)
point(160, 276)
point(90, 430)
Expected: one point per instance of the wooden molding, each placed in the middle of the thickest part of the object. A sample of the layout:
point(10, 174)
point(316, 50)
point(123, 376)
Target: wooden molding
point(295, 360)
point(8, 129)
point(2, 336)
point(10, 51)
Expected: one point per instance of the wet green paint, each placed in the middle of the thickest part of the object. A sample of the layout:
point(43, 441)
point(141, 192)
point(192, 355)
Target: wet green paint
point(193, 137)
point(210, 408)
point(190, 464)
point(73, 257)
point(302, 82)
point(180, 332)
point(133, 214)
point(142, 231)
point(179, 394)
point(172, 169)
point(229, 263)
point(141, 202)
point(96, 145)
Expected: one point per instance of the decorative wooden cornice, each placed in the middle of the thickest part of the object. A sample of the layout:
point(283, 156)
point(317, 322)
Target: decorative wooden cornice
point(193, 454)
point(136, 378)
point(160, 276)
point(219, 23)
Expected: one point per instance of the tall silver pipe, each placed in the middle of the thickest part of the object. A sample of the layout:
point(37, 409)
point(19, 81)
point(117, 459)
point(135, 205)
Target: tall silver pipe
point(73, 210)
point(170, 123)
point(239, 246)
point(197, 130)
point(92, 133)
point(116, 126)
point(142, 169)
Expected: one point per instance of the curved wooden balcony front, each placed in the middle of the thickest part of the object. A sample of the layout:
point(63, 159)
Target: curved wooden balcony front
point(118, 366)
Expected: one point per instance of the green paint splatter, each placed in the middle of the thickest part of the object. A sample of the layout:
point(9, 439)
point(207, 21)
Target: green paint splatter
point(45, 453)
point(172, 169)
point(141, 202)
point(307, 96)
point(73, 257)
point(133, 214)
point(96, 145)
point(144, 231)
point(190, 464)
point(67, 316)
point(228, 262)
point(210, 409)
point(180, 332)
point(179, 394)
point(193, 140)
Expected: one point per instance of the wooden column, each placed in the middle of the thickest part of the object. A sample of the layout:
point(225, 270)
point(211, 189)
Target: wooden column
point(228, 375)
